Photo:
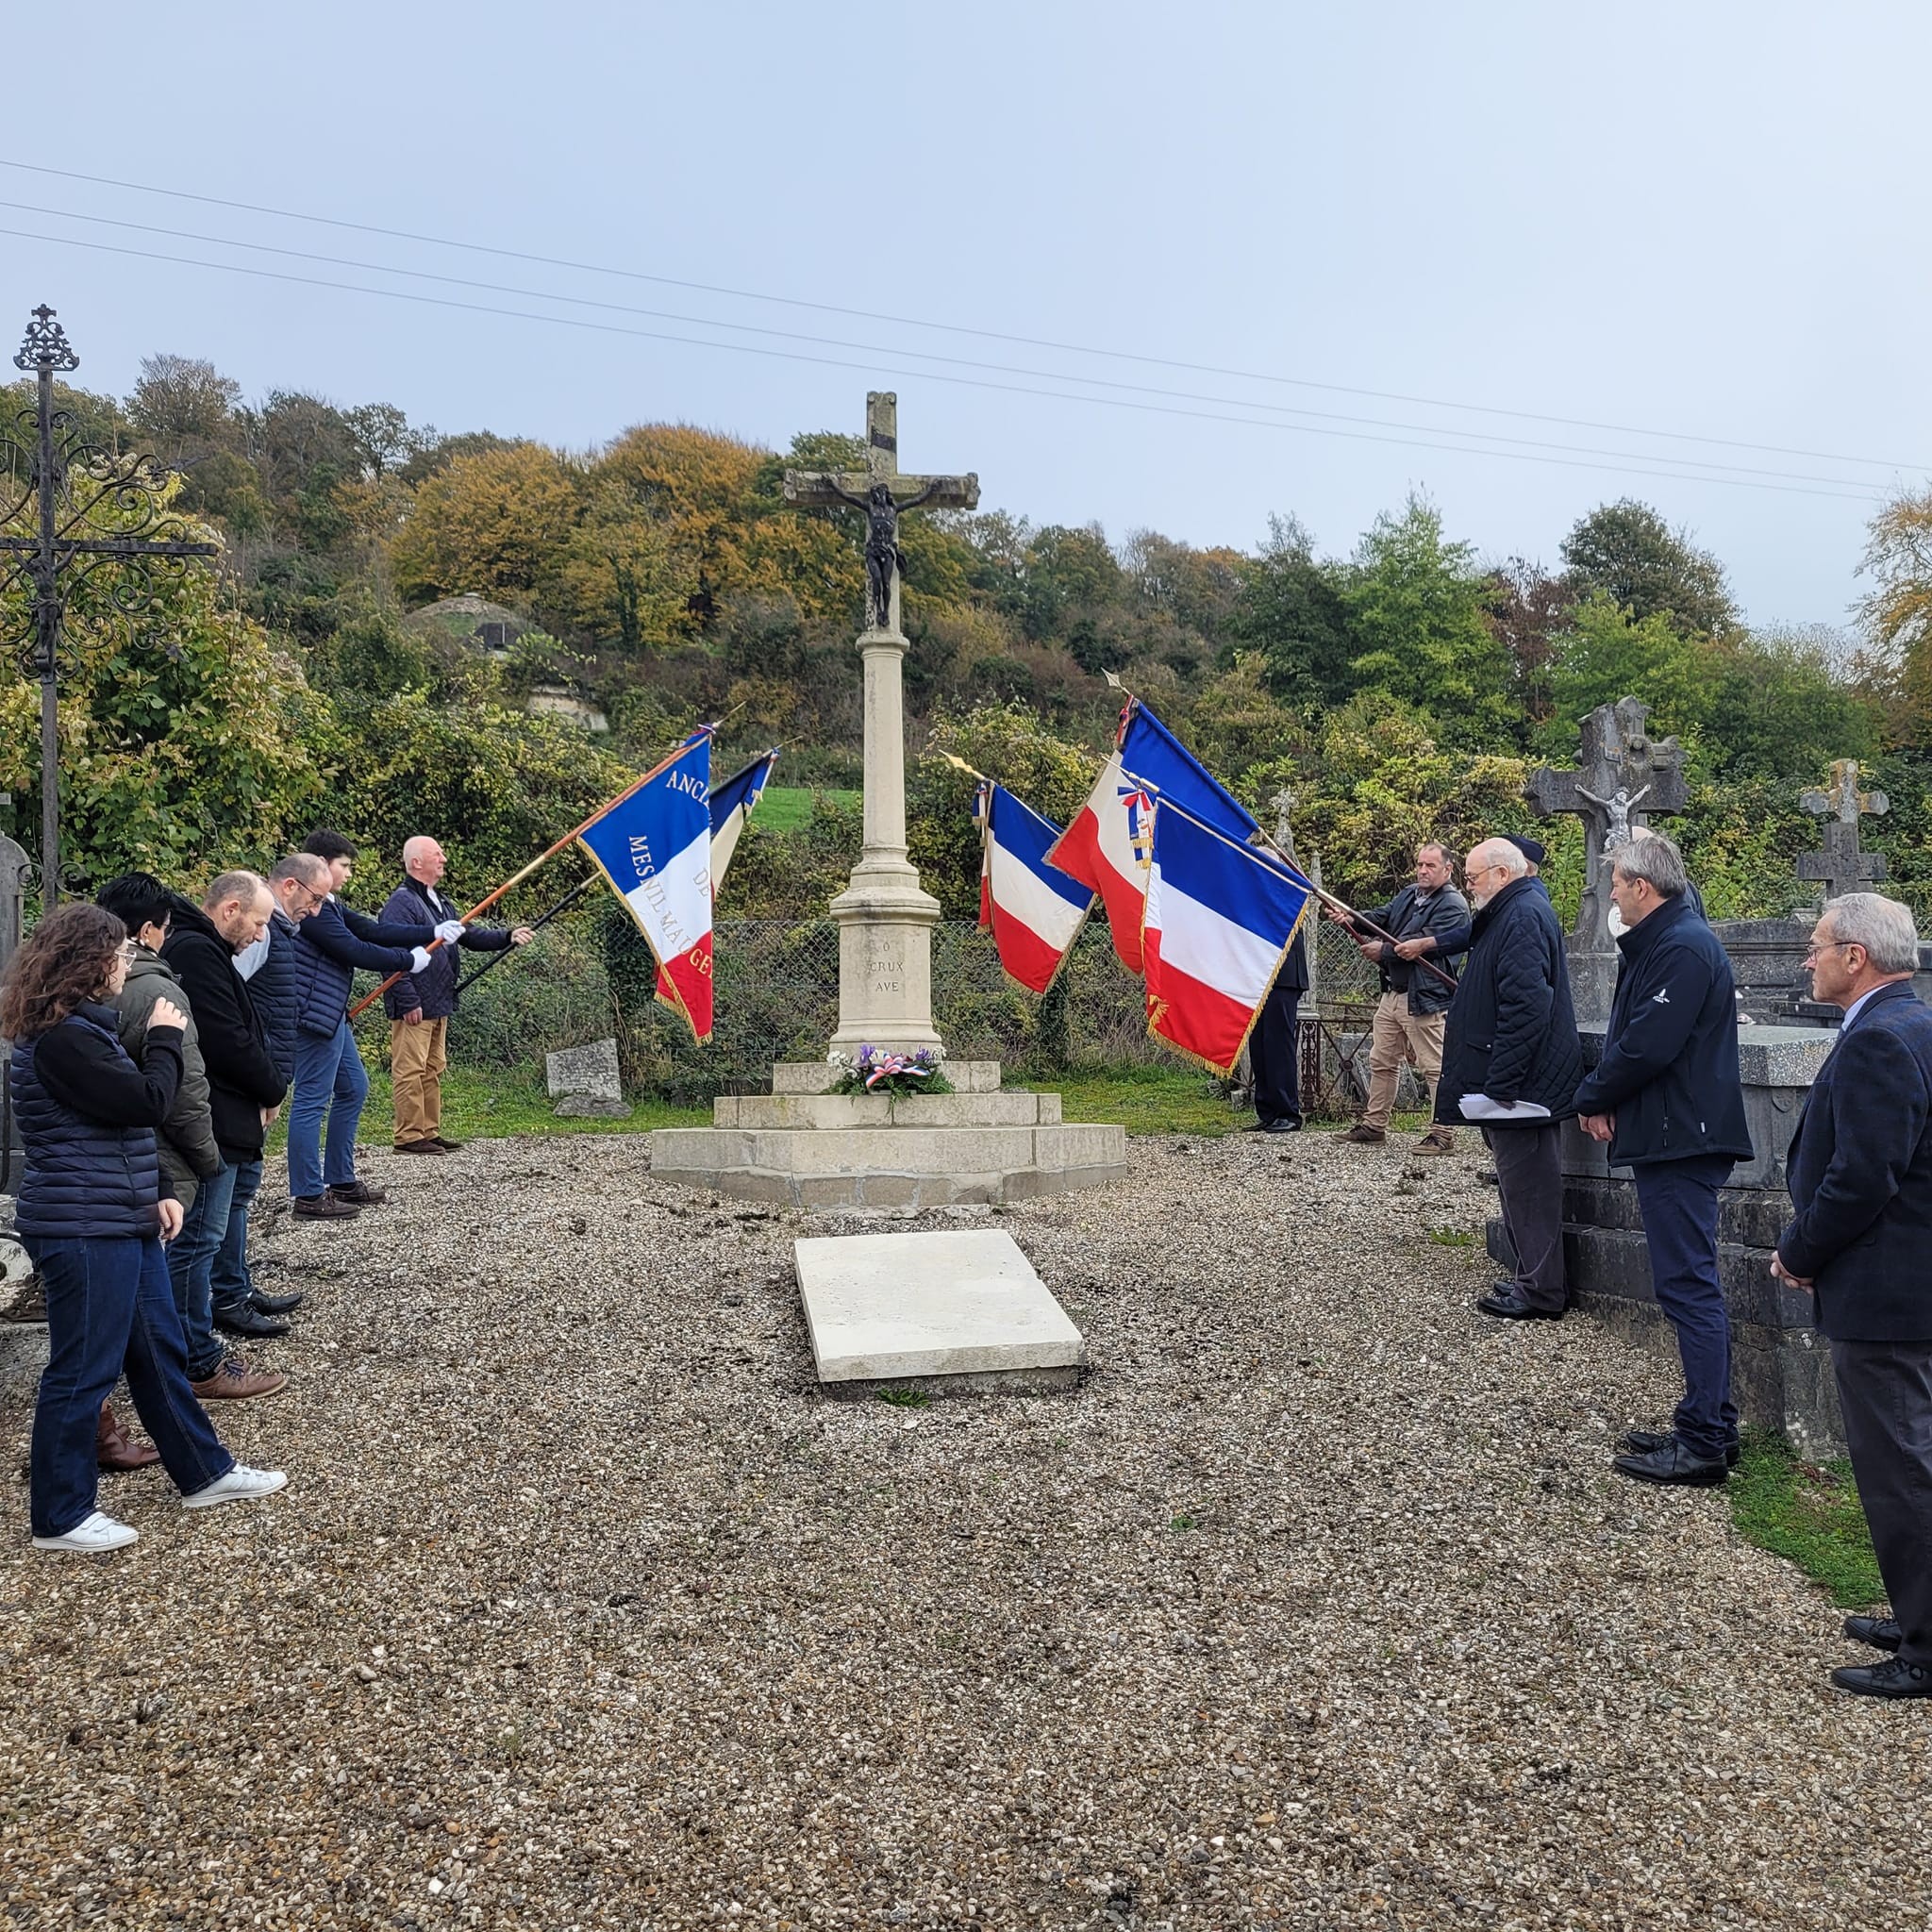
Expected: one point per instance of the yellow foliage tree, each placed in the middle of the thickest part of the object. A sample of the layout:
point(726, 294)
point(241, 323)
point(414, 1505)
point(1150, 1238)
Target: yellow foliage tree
point(1897, 615)
point(494, 523)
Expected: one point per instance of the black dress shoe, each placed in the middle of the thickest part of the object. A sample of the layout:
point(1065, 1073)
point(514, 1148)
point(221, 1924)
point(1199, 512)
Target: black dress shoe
point(265, 1304)
point(1673, 1463)
point(1881, 1633)
point(1894, 1678)
point(1510, 1302)
point(239, 1317)
point(1648, 1442)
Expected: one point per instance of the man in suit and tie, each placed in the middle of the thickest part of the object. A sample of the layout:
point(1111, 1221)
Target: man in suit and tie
point(1860, 1175)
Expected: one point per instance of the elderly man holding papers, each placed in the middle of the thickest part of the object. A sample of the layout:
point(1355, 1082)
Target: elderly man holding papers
point(1512, 1062)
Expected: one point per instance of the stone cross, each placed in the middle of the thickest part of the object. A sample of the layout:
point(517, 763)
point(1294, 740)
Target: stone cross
point(885, 917)
point(1284, 803)
point(15, 870)
point(1622, 777)
point(1840, 866)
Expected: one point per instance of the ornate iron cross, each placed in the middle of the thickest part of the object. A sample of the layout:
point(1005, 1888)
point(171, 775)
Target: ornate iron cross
point(73, 489)
point(883, 494)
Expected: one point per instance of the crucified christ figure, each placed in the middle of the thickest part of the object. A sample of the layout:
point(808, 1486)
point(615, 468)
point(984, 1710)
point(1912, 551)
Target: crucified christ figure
point(1620, 804)
point(884, 559)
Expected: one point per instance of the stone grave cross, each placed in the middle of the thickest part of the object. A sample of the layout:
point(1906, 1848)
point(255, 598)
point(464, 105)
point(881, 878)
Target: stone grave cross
point(1840, 866)
point(885, 917)
point(1621, 778)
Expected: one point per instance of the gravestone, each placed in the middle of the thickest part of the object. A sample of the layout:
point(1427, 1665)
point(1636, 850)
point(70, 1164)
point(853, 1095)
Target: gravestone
point(1622, 777)
point(803, 1143)
point(1840, 866)
point(16, 870)
point(585, 1082)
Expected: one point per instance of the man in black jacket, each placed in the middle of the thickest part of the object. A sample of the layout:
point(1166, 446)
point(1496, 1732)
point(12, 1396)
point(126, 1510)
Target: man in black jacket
point(1408, 1016)
point(1274, 1044)
point(1511, 1060)
point(1860, 1175)
point(244, 1092)
point(1667, 1097)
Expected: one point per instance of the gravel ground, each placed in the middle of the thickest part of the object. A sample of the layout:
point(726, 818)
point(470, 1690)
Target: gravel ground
point(1317, 1606)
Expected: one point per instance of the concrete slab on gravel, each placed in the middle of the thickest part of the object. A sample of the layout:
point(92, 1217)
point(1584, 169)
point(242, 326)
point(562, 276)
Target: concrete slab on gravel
point(886, 1307)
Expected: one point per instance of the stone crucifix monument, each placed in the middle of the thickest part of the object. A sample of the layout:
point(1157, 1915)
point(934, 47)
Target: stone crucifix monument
point(885, 916)
point(1623, 778)
point(804, 1144)
point(1841, 867)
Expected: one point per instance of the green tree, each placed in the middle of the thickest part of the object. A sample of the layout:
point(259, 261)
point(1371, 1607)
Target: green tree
point(1415, 607)
point(1290, 609)
point(1626, 552)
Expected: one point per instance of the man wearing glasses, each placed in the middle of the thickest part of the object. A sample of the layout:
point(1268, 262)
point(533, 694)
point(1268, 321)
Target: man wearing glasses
point(1860, 1245)
point(1667, 1098)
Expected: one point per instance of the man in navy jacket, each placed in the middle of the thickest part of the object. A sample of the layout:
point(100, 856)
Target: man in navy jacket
point(1861, 1176)
point(330, 1078)
point(1512, 1048)
point(1667, 1097)
point(420, 1004)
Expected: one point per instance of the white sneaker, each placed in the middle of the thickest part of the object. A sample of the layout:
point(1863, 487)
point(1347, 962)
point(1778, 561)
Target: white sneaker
point(240, 1485)
point(93, 1536)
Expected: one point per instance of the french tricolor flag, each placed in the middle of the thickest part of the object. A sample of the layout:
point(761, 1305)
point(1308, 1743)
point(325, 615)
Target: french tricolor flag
point(1033, 909)
point(1106, 846)
point(655, 847)
point(1219, 919)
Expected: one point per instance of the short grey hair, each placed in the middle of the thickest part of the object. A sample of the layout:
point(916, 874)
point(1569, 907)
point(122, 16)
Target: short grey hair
point(303, 866)
point(1885, 929)
point(1505, 853)
point(244, 888)
point(1656, 862)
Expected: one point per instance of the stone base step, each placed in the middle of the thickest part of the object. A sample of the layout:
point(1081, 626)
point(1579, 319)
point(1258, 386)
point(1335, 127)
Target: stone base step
point(831, 1112)
point(898, 1167)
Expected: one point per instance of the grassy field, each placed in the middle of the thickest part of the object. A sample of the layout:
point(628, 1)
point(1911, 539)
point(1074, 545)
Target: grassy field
point(785, 808)
point(1808, 1515)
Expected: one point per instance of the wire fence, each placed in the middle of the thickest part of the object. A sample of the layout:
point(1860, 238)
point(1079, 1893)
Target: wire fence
point(778, 998)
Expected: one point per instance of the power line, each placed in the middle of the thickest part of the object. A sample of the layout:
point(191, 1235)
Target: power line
point(1690, 464)
point(958, 328)
point(1850, 495)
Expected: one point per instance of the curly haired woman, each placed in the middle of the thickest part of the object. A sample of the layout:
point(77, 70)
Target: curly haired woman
point(93, 1212)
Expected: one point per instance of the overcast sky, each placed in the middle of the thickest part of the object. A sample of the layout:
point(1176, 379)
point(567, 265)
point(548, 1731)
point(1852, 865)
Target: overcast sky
point(1707, 219)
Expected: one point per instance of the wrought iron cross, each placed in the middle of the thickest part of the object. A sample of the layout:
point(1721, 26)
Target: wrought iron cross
point(73, 486)
point(1841, 867)
point(883, 493)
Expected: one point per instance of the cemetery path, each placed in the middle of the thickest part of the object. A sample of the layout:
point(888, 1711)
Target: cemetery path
point(1317, 1606)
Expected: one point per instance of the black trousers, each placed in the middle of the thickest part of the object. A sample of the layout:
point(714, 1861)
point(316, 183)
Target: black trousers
point(1273, 1049)
point(1885, 1392)
point(1529, 1177)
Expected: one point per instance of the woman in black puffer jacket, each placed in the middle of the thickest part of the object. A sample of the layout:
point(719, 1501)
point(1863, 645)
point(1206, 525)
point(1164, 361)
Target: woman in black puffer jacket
point(92, 1213)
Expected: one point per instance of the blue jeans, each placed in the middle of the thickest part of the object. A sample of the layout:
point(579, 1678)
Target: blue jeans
point(231, 1281)
point(330, 1079)
point(190, 1259)
point(1679, 1202)
point(109, 1305)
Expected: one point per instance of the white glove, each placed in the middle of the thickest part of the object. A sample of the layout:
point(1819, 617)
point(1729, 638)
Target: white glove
point(450, 931)
point(418, 958)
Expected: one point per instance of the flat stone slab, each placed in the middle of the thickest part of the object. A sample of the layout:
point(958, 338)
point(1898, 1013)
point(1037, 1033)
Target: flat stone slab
point(888, 1308)
point(591, 1071)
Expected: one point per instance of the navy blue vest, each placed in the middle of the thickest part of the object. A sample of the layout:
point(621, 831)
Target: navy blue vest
point(82, 1180)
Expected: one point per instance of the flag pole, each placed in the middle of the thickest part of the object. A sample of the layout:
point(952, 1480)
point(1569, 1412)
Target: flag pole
point(544, 857)
point(537, 925)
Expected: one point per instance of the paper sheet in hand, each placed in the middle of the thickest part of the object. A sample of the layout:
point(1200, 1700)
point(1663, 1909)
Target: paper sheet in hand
point(1479, 1107)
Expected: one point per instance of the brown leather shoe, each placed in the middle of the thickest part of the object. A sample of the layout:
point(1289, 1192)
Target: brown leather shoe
point(1365, 1136)
point(321, 1208)
point(420, 1147)
point(1436, 1140)
point(359, 1194)
point(235, 1381)
point(114, 1448)
point(448, 1145)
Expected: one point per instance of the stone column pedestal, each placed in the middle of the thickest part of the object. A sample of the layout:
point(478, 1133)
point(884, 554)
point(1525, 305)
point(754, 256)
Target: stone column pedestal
point(885, 916)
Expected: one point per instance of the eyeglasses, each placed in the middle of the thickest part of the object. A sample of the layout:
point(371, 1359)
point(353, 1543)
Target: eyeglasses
point(1817, 946)
point(126, 950)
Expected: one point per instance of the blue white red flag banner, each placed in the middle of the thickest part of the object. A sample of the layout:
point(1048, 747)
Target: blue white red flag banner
point(1106, 846)
point(1033, 909)
point(730, 804)
point(1220, 919)
point(654, 848)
